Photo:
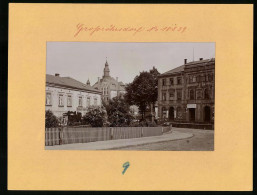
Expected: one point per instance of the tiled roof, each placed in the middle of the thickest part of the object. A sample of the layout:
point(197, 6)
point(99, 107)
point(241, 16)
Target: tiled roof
point(175, 70)
point(182, 67)
point(69, 82)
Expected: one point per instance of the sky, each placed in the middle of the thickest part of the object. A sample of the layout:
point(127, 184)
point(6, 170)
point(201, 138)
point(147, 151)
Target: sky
point(86, 60)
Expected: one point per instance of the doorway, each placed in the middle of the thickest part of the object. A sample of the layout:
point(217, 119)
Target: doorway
point(171, 113)
point(207, 114)
point(192, 114)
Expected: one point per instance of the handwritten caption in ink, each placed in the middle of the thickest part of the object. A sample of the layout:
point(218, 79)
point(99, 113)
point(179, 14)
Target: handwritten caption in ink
point(125, 166)
point(92, 30)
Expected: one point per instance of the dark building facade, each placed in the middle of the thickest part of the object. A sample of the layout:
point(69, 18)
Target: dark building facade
point(187, 93)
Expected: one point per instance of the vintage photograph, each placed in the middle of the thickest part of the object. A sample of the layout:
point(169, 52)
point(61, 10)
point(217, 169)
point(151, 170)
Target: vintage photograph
point(157, 96)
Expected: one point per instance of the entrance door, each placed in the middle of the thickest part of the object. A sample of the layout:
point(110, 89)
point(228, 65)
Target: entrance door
point(207, 114)
point(192, 114)
point(171, 113)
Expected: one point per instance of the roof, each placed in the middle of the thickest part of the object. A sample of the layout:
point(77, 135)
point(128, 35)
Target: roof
point(175, 70)
point(113, 83)
point(201, 62)
point(69, 82)
point(182, 67)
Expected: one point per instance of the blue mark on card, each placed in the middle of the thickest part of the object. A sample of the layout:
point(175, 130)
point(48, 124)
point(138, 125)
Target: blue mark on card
point(125, 166)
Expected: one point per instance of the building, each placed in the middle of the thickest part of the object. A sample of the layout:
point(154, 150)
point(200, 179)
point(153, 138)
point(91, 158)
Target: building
point(109, 86)
point(65, 94)
point(186, 93)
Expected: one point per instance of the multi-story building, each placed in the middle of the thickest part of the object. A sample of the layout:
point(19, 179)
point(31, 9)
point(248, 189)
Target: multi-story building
point(109, 86)
point(65, 94)
point(186, 93)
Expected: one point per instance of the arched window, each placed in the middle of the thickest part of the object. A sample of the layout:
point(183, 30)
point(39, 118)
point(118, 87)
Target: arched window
point(191, 94)
point(206, 94)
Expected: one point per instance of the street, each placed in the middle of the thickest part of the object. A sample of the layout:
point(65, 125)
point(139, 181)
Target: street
point(203, 140)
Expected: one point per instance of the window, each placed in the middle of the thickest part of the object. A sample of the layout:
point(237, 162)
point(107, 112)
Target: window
point(95, 101)
point(164, 96)
point(190, 79)
point(179, 94)
point(48, 99)
point(194, 79)
point(198, 94)
point(210, 77)
point(203, 78)
point(171, 81)
point(191, 94)
point(60, 100)
point(198, 78)
point(179, 80)
point(163, 82)
point(69, 101)
point(171, 94)
point(88, 101)
point(206, 94)
point(80, 101)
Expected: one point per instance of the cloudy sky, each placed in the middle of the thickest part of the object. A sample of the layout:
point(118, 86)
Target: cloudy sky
point(85, 60)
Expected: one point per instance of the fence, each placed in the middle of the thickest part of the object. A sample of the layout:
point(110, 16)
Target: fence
point(194, 126)
point(69, 135)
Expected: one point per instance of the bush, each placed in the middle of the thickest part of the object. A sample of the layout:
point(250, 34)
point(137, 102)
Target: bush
point(96, 116)
point(50, 120)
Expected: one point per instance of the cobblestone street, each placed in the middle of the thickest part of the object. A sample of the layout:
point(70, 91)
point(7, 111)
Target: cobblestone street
point(203, 140)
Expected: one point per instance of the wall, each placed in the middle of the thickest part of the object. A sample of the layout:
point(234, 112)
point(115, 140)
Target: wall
point(59, 110)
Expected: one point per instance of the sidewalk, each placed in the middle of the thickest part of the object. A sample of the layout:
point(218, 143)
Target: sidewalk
point(111, 144)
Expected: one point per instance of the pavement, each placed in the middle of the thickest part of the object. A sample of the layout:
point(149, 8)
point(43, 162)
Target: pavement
point(121, 143)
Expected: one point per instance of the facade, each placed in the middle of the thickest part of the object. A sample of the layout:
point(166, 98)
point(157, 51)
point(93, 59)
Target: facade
point(65, 94)
point(186, 93)
point(109, 86)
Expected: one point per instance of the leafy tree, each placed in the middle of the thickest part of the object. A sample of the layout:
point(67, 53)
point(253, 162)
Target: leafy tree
point(119, 112)
point(50, 119)
point(143, 91)
point(96, 116)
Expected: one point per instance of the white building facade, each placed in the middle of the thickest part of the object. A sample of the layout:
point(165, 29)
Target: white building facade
point(65, 94)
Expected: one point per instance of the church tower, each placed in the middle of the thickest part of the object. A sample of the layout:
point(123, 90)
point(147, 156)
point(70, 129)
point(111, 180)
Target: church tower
point(106, 70)
point(88, 82)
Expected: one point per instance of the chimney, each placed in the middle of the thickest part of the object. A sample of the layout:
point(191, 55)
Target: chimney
point(57, 74)
point(185, 61)
point(117, 79)
point(200, 59)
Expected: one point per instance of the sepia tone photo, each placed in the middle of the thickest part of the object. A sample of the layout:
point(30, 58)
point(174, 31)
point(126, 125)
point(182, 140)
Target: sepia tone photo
point(130, 96)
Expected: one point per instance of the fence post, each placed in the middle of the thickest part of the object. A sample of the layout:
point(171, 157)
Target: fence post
point(162, 130)
point(60, 135)
point(111, 133)
point(142, 132)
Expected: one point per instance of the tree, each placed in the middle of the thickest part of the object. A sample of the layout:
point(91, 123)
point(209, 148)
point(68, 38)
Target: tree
point(96, 116)
point(143, 91)
point(118, 112)
point(50, 119)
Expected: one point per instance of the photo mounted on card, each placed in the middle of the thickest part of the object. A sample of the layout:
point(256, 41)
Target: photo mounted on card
point(143, 96)
point(130, 97)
